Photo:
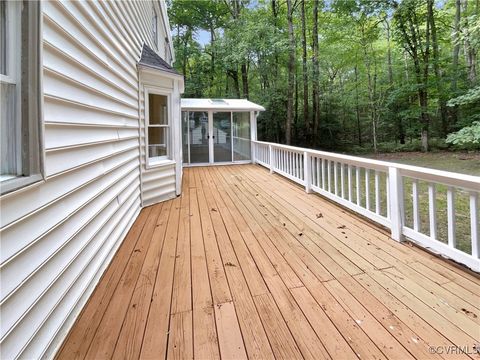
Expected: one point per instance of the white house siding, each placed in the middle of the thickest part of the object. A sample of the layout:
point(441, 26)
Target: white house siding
point(159, 182)
point(58, 236)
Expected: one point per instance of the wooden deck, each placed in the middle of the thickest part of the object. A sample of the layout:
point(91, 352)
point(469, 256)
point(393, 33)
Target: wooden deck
point(246, 264)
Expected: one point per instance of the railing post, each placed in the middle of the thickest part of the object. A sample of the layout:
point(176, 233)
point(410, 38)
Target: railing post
point(474, 228)
point(254, 152)
point(270, 155)
point(395, 195)
point(307, 172)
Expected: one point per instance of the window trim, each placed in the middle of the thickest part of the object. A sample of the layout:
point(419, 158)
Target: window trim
point(151, 162)
point(13, 28)
point(31, 150)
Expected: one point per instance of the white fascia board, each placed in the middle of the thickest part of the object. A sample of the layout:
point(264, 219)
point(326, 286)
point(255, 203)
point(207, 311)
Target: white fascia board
point(157, 72)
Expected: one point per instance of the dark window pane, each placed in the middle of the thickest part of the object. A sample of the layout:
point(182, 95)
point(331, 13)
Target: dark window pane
point(158, 111)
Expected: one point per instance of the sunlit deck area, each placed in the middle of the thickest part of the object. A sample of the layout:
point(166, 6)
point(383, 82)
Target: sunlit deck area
point(246, 264)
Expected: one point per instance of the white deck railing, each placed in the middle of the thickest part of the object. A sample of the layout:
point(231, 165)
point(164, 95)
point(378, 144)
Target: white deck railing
point(375, 189)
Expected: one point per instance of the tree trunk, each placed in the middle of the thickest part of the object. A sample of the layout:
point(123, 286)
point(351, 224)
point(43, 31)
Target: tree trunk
point(275, 54)
point(244, 69)
point(470, 53)
point(372, 80)
point(456, 52)
point(442, 102)
point(291, 73)
point(316, 74)
point(357, 108)
point(306, 116)
point(212, 60)
point(236, 84)
point(389, 54)
point(295, 112)
point(456, 46)
point(413, 45)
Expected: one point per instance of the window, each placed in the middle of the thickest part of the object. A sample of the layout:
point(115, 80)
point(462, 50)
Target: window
point(158, 128)
point(19, 94)
point(155, 28)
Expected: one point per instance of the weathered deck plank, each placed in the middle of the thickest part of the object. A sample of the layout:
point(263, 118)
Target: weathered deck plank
point(247, 265)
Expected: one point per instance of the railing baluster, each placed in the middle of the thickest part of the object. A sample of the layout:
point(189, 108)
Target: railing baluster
point(297, 165)
point(329, 172)
point(416, 211)
point(395, 195)
point(451, 216)
point(357, 183)
point(387, 186)
point(295, 168)
point(307, 172)
point(323, 173)
point(474, 228)
point(278, 164)
point(349, 170)
point(281, 155)
point(314, 169)
point(270, 157)
point(301, 159)
point(432, 210)
point(288, 161)
point(281, 159)
point(377, 193)
point(293, 164)
point(367, 189)
point(342, 179)
point(335, 177)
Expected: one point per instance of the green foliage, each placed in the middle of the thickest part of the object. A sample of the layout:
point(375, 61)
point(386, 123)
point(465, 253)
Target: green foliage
point(373, 67)
point(471, 31)
point(471, 97)
point(466, 136)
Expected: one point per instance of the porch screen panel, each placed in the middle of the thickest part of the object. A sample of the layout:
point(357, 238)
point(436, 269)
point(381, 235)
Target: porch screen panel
point(185, 137)
point(198, 136)
point(241, 136)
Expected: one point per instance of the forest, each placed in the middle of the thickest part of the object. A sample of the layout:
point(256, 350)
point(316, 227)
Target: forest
point(349, 75)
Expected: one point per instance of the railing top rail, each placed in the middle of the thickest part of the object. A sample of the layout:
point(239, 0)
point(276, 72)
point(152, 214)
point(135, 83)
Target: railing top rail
point(468, 182)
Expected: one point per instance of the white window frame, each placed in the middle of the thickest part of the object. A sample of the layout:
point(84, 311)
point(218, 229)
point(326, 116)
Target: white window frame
point(13, 74)
point(158, 160)
point(28, 158)
point(13, 28)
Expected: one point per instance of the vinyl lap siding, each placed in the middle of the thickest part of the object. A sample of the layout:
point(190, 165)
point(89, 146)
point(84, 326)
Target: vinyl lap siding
point(57, 237)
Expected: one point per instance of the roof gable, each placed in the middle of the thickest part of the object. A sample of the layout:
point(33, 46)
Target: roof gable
point(151, 59)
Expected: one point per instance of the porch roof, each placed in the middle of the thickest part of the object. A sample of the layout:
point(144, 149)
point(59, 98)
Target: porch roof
point(221, 104)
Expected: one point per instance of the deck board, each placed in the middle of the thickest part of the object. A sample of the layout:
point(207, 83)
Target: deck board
point(245, 264)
